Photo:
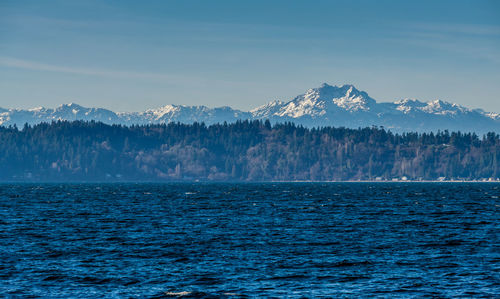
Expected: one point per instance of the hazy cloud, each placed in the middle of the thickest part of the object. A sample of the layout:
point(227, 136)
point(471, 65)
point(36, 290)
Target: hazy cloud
point(31, 65)
point(468, 29)
point(473, 41)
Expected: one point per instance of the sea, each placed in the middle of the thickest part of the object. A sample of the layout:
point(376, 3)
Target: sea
point(237, 240)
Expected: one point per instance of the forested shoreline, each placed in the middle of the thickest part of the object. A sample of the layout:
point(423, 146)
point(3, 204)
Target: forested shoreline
point(240, 151)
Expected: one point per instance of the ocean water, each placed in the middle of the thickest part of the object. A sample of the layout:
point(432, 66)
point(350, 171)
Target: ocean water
point(256, 240)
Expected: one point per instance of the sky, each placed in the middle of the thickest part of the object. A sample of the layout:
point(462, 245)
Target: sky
point(135, 55)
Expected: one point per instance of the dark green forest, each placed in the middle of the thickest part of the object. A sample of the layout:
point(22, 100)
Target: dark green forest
point(241, 151)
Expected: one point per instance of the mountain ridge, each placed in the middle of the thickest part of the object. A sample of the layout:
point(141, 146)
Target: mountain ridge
point(326, 105)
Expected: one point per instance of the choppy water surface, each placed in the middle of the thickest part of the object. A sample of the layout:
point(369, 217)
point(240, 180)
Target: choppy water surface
point(234, 240)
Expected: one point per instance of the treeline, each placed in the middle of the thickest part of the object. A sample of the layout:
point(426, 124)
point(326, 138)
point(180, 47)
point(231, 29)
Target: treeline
point(241, 151)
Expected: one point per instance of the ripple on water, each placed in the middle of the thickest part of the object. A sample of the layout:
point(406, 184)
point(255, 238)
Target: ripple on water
point(237, 240)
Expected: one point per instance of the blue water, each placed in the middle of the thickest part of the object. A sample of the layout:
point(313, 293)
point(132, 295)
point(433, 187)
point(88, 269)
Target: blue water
point(236, 240)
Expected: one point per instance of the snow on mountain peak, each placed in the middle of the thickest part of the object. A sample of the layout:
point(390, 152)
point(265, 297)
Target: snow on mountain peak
point(162, 111)
point(70, 105)
point(353, 101)
point(267, 110)
point(408, 101)
point(437, 107)
point(71, 108)
point(408, 105)
point(444, 108)
point(346, 96)
point(492, 115)
point(37, 109)
point(317, 102)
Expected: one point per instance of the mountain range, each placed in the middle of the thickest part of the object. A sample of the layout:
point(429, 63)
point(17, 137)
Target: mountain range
point(327, 105)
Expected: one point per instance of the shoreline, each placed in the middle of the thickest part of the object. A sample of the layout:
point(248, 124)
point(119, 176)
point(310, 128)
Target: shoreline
point(242, 182)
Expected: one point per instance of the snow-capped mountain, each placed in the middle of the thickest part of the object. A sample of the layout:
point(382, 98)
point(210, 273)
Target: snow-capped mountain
point(165, 114)
point(318, 102)
point(185, 114)
point(323, 106)
point(346, 106)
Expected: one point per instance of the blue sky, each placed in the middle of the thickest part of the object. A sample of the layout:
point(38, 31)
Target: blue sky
point(134, 55)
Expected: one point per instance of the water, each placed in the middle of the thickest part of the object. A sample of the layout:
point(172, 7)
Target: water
point(236, 240)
